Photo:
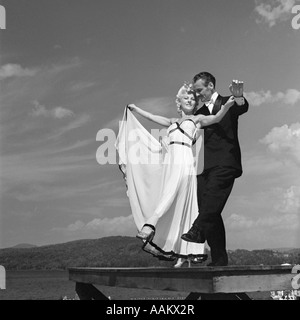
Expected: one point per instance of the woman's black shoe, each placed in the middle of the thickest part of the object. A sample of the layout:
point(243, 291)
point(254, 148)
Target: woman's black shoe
point(199, 260)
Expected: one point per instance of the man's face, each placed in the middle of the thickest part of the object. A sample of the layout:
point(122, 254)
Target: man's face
point(203, 92)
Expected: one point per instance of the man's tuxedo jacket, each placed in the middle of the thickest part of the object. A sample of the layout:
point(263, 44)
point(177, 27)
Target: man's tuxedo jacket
point(221, 144)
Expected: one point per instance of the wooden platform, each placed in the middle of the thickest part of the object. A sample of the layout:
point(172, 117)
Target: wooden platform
point(204, 282)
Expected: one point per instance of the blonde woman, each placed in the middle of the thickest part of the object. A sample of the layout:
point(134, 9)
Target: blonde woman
point(173, 200)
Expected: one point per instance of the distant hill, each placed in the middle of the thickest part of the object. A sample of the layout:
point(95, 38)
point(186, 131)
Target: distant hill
point(104, 252)
point(284, 249)
point(118, 252)
point(24, 246)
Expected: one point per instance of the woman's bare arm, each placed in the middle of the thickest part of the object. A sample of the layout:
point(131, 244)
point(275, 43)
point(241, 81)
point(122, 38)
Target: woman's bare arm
point(166, 122)
point(208, 120)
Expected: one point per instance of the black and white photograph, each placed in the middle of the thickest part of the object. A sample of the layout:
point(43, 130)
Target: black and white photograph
point(150, 152)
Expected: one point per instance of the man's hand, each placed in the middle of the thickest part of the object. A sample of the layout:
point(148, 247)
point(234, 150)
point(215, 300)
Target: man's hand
point(239, 101)
point(237, 89)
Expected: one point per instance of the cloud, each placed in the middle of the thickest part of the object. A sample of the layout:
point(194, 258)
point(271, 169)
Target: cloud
point(54, 69)
point(236, 221)
point(60, 112)
point(287, 221)
point(265, 219)
point(284, 142)
point(48, 81)
point(33, 167)
point(81, 86)
point(290, 201)
point(277, 10)
point(33, 188)
point(277, 208)
point(290, 97)
point(255, 164)
point(77, 123)
point(57, 113)
point(102, 227)
point(157, 105)
point(78, 144)
point(15, 70)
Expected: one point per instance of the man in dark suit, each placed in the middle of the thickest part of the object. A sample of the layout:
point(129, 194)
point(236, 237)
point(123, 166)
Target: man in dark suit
point(222, 165)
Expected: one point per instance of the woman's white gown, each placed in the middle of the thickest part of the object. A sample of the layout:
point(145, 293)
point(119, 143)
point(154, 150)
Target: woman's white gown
point(161, 183)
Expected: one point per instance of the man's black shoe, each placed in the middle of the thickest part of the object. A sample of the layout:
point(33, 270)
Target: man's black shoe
point(219, 263)
point(193, 235)
point(212, 264)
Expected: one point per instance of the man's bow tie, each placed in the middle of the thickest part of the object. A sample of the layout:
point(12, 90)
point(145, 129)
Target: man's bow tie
point(209, 102)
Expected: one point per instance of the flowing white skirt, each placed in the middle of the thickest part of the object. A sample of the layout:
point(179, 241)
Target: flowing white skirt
point(161, 186)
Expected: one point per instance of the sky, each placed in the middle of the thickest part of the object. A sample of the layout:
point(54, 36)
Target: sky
point(68, 68)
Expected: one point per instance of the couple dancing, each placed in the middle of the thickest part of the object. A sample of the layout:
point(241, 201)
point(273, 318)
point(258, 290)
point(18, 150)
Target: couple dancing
point(175, 210)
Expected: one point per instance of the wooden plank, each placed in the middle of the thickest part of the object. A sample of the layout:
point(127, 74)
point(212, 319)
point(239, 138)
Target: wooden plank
point(162, 279)
point(230, 279)
point(252, 283)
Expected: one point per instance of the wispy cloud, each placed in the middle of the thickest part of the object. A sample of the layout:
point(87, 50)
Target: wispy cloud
point(271, 12)
point(26, 168)
point(115, 202)
point(77, 123)
point(260, 164)
point(52, 172)
point(41, 125)
point(89, 197)
point(284, 142)
point(41, 191)
point(158, 105)
point(276, 208)
point(275, 222)
point(289, 201)
point(103, 227)
point(74, 146)
point(290, 97)
point(81, 85)
point(40, 83)
point(57, 112)
point(15, 70)
point(57, 68)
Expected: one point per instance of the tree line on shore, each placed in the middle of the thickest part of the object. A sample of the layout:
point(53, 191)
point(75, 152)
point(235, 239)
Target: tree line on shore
point(120, 252)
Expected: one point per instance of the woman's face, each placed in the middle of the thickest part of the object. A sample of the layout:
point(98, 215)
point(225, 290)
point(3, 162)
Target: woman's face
point(188, 103)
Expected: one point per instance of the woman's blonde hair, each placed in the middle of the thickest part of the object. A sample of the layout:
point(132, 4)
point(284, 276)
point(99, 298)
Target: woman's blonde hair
point(185, 89)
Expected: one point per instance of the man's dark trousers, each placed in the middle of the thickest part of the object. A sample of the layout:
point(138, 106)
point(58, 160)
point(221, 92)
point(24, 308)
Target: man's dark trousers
point(222, 165)
point(214, 188)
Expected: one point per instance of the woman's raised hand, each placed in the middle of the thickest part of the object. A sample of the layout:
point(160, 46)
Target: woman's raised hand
point(131, 107)
point(230, 102)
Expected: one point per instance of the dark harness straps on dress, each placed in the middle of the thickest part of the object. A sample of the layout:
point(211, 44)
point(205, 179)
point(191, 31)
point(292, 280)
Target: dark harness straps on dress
point(181, 143)
point(183, 132)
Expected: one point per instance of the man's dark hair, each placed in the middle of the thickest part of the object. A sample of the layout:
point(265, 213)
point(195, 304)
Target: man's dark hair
point(206, 76)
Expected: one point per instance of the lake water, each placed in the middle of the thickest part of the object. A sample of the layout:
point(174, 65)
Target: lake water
point(37, 285)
